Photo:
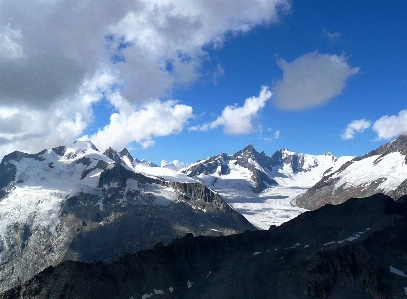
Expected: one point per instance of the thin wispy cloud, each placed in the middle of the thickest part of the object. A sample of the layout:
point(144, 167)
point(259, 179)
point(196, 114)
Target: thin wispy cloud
point(332, 36)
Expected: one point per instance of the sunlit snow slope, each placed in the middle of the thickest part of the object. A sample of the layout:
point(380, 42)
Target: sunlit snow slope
point(382, 170)
point(40, 188)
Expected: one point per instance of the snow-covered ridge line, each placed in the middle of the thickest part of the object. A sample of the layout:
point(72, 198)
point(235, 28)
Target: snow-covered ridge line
point(383, 170)
point(62, 196)
point(262, 187)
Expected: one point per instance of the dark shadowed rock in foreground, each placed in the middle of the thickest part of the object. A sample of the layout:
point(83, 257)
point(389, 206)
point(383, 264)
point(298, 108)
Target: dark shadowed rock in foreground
point(354, 250)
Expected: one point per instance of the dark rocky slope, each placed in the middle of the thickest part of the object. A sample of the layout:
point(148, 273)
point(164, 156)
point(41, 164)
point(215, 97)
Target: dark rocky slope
point(343, 251)
point(104, 235)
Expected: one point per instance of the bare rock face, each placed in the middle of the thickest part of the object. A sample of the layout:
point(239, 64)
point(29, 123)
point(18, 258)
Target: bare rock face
point(353, 250)
point(382, 170)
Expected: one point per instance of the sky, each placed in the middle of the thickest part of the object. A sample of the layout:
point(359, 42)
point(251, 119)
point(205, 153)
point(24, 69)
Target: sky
point(179, 81)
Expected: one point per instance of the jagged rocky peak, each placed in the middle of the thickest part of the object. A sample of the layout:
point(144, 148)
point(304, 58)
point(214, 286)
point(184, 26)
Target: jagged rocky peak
point(298, 162)
point(125, 153)
point(248, 157)
point(112, 154)
point(59, 150)
point(249, 152)
point(126, 157)
point(210, 165)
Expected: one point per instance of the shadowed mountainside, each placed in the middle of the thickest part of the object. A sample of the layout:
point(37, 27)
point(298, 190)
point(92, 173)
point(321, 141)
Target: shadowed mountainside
point(354, 250)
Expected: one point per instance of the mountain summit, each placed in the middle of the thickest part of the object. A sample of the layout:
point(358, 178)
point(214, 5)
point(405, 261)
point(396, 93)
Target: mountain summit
point(262, 187)
point(381, 170)
point(75, 203)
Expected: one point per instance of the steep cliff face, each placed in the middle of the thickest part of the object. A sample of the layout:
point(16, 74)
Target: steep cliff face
point(381, 170)
point(74, 203)
point(354, 250)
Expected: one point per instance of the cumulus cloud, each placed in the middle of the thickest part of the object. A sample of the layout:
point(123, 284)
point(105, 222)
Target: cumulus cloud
point(146, 47)
point(48, 56)
point(27, 129)
point(239, 120)
point(310, 80)
point(57, 65)
point(142, 123)
point(355, 126)
point(391, 126)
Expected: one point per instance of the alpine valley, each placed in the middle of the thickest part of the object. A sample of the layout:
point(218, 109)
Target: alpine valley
point(65, 210)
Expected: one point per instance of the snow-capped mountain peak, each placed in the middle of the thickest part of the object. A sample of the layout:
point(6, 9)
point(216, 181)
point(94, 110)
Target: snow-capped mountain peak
point(381, 170)
point(112, 154)
point(73, 202)
point(83, 145)
point(257, 184)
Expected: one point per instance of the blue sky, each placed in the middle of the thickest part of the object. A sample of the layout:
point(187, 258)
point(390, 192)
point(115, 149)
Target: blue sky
point(177, 80)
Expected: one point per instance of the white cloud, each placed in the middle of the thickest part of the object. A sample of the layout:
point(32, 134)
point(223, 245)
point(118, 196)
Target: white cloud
point(391, 126)
point(239, 120)
point(140, 49)
point(356, 126)
point(141, 123)
point(31, 130)
point(310, 80)
point(277, 135)
point(69, 39)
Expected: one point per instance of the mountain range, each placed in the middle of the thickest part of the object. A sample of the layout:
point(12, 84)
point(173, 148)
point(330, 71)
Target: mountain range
point(260, 187)
point(75, 203)
point(382, 170)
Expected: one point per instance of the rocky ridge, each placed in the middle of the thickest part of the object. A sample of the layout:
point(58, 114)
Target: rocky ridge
point(381, 170)
point(262, 168)
point(353, 250)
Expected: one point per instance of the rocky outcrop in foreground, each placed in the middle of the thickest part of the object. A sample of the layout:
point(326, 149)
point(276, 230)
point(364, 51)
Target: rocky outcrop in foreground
point(354, 250)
